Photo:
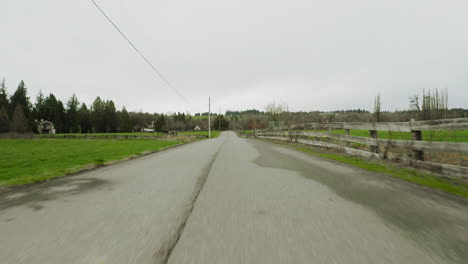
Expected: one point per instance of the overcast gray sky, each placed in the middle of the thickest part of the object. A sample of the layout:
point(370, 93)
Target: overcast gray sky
point(312, 55)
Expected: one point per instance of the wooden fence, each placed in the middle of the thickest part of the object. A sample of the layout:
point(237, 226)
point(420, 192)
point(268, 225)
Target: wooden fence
point(377, 147)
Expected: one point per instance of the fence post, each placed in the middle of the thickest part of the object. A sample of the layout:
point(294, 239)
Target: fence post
point(417, 136)
point(347, 132)
point(375, 147)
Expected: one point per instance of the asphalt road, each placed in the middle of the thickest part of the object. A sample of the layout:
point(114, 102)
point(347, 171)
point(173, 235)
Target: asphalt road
point(231, 200)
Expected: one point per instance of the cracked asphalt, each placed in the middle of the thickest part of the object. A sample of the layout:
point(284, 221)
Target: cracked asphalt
point(231, 200)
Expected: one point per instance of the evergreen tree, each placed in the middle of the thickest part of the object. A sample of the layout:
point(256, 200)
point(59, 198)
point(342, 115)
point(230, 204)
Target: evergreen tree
point(54, 112)
point(125, 121)
point(20, 97)
point(110, 117)
point(39, 109)
point(4, 101)
point(97, 116)
point(220, 123)
point(84, 119)
point(60, 118)
point(4, 120)
point(72, 115)
point(160, 124)
point(19, 123)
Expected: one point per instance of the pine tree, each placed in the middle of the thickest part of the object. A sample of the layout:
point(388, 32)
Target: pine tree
point(20, 97)
point(84, 119)
point(39, 107)
point(160, 124)
point(97, 116)
point(19, 123)
point(125, 121)
point(55, 113)
point(72, 114)
point(4, 101)
point(110, 117)
point(5, 123)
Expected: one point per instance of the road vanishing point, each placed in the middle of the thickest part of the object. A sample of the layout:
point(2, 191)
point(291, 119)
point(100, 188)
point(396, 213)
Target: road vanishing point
point(231, 200)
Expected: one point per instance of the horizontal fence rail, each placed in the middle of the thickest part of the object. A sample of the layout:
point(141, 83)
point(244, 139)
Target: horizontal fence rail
point(434, 146)
point(418, 146)
point(442, 124)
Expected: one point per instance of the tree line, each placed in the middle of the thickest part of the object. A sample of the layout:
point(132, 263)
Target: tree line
point(19, 115)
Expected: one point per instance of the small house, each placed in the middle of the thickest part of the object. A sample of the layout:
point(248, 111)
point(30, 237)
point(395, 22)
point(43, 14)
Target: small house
point(46, 127)
point(197, 128)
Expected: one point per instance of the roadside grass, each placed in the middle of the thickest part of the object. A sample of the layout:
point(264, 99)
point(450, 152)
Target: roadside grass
point(101, 134)
point(200, 117)
point(29, 161)
point(214, 134)
point(442, 135)
point(456, 187)
point(104, 135)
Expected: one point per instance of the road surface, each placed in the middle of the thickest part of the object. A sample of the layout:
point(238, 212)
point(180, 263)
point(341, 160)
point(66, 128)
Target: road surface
point(231, 200)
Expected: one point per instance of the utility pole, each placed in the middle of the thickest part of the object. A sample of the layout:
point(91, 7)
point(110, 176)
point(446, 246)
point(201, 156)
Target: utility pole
point(209, 117)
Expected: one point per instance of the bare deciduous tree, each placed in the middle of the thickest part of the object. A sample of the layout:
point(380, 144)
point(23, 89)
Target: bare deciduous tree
point(377, 106)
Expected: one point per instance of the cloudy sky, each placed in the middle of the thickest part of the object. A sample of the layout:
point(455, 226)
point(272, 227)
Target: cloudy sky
point(312, 55)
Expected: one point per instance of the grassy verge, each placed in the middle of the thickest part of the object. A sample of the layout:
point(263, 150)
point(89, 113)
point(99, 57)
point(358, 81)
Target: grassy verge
point(101, 134)
point(442, 135)
point(28, 161)
point(407, 174)
point(214, 134)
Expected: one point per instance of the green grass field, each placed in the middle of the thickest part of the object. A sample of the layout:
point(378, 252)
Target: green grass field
point(104, 135)
point(28, 161)
point(214, 134)
point(443, 135)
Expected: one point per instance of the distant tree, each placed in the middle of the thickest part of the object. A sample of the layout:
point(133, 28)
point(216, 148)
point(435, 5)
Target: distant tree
point(432, 104)
point(72, 122)
point(97, 116)
point(220, 123)
point(39, 109)
point(84, 119)
point(275, 110)
point(110, 117)
point(20, 97)
point(160, 124)
point(5, 123)
point(54, 111)
point(19, 123)
point(4, 101)
point(414, 103)
point(377, 111)
point(124, 121)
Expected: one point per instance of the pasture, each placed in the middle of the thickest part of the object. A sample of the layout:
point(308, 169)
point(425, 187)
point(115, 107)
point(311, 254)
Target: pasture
point(29, 161)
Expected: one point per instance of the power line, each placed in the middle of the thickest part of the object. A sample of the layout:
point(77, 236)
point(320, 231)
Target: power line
point(159, 74)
